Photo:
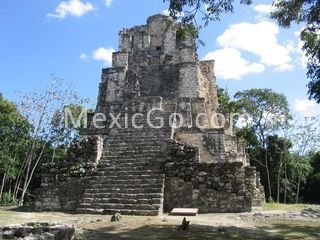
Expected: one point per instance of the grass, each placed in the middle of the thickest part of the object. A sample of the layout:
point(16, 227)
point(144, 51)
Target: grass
point(285, 207)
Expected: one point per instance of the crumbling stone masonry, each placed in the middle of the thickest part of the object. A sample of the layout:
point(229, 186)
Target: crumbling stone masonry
point(147, 170)
point(37, 231)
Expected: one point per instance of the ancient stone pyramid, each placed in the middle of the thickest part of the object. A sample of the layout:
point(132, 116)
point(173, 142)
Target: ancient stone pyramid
point(162, 144)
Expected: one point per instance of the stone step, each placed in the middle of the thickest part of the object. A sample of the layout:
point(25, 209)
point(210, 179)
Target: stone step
point(123, 141)
point(136, 159)
point(121, 166)
point(118, 172)
point(124, 185)
point(131, 181)
point(136, 139)
point(135, 156)
point(136, 189)
point(124, 195)
point(108, 150)
point(118, 167)
point(155, 168)
point(111, 151)
point(113, 176)
point(127, 146)
point(137, 212)
point(151, 169)
point(125, 200)
point(103, 205)
point(122, 163)
point(127, 189)
point(134, 142)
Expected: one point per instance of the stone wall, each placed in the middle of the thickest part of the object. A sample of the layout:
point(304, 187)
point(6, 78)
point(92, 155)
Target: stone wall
point(208, 83)
point(211, 187)
point(254, 186)
point(63, 184)
point(210, 143)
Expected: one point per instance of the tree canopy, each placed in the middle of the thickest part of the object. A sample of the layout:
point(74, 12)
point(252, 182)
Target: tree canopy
point(263, 113)
point(308, 12)
point(286, 12)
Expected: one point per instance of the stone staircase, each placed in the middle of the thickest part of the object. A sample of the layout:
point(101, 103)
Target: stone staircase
point(128, 179)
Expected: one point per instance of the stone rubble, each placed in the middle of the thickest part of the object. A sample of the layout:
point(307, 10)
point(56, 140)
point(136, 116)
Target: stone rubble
point(37, 231)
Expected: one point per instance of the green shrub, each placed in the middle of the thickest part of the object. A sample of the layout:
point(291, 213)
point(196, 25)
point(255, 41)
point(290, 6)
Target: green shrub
point(77, 170)
point(8, 199)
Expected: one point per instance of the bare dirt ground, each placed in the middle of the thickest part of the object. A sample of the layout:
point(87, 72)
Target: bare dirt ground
point(279, 222)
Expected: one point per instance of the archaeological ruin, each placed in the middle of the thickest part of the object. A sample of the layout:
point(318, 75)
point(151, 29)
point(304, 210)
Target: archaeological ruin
point(163, 144)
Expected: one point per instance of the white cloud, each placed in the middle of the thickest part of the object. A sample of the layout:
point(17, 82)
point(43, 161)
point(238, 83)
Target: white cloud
point(284, 67)
point(260, 39)
point(303, 105)
point(107, 3)
point(306, 107)
point(103, 54)
point(302, 58)
point(265, 9)
point(83, 56)
point(73, 8)
point(206, 6)
point(229, 64)
point(166, 12)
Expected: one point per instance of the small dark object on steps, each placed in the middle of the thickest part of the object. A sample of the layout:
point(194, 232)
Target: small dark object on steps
point(116, 217)
point(222, 230)
point(185, 225)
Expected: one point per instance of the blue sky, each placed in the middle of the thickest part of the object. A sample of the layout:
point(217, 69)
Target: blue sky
point(73, 39)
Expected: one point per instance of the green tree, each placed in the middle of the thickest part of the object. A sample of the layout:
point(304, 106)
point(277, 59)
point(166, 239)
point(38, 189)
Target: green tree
point(226, 104)
point(311, 190)
point(14, 138)
point(278, 155)
point(264, 112)
point(306, 139)
point(61, 135)
point(209, 10)
point(307, 12)
point(40, 107)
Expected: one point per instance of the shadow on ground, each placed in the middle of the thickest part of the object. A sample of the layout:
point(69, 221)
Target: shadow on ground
point(276, 231)
point(25, 209)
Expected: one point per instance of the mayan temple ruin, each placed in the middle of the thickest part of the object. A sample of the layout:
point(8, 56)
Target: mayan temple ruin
point(174, 152)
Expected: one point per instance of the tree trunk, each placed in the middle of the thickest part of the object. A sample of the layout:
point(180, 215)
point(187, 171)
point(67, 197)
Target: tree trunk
point(29, 175)
point(268, 175)
point(278, 183)
point(16, 188)
point(10, 186)
point(298, 189)
point(18, 180)
point(53, 154)
point(2, 185)
point(285, 184)
point(24, 189)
